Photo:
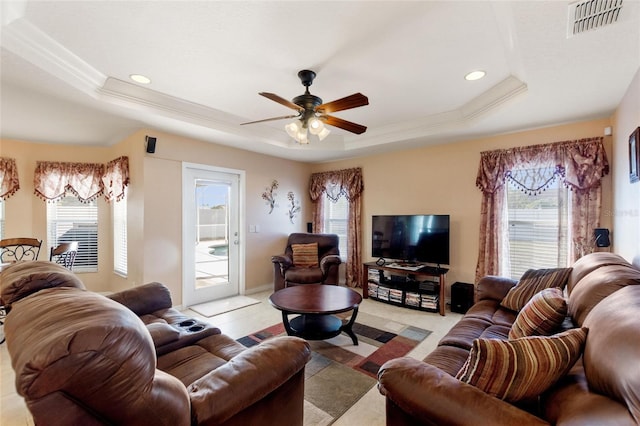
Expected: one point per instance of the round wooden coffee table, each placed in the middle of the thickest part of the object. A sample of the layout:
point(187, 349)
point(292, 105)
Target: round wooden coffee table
point(316, 305)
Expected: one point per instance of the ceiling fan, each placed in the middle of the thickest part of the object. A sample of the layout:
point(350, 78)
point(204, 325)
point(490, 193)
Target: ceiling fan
point(312, 113)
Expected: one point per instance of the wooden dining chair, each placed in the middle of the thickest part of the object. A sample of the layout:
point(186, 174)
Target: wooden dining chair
point(64, 254)
point(14, 249)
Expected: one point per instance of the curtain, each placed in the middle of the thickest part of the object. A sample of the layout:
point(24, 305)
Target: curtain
point(579, 164)
point(53, 179)
point(87, 181)
point(328, 187)
point(9, 183)
point(116, 179)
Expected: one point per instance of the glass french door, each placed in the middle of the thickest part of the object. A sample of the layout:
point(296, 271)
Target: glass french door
point(211, 240)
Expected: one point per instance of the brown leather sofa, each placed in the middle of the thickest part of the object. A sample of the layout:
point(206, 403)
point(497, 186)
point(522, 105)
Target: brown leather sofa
point(602, 388)
point(287, 273)
point(83, 358)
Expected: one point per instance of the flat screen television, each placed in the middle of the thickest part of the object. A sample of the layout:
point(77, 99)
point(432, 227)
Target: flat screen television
point(411, 238)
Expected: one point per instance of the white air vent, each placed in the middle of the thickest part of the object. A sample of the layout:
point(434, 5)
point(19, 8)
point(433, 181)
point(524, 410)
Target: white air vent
point(591, 14)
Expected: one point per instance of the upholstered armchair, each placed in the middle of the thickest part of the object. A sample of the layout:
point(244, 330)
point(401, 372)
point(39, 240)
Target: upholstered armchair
point(307, 259)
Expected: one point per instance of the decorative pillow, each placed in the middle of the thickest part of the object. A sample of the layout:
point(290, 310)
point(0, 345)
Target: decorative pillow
point(541, 316)
point(522, 369)
point(305, 255)
point(533, 281)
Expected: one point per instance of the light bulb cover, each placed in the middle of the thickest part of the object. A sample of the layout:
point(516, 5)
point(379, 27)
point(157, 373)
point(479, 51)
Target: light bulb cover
point(323, 133)
point(293, 128)
point(302, 137)
point(315, 126)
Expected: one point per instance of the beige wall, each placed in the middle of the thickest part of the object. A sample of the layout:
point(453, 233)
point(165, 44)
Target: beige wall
point(625, 213)
point(156, 238)
point(155, 206)
point(441, 180)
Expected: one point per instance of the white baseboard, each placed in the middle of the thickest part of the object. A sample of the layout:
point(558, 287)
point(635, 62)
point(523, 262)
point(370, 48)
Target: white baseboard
point(264, 287)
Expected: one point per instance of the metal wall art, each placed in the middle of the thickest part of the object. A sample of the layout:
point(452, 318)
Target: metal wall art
point(270, 195)
point(294, 209)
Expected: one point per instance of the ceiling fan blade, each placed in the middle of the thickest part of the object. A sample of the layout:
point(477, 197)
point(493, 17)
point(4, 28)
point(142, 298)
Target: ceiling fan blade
point(352, 101)
point(343, 124)
point(281, 101)
point(272, 119)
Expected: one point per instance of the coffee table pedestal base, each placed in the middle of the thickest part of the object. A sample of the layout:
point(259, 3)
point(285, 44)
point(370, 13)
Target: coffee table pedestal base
point(318, 326)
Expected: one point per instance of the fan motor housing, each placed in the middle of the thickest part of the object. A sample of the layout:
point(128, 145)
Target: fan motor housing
point(307, 101)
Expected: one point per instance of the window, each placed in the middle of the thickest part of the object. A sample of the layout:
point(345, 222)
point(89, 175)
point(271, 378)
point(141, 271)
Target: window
point(119, 210)
point(537, 228)
point(71, 220)
point(336, 217)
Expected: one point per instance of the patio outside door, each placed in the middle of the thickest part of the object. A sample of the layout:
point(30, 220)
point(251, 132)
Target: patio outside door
point(210, 232)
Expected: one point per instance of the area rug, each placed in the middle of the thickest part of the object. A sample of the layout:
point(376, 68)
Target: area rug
point(218, 307)
point(339, 373)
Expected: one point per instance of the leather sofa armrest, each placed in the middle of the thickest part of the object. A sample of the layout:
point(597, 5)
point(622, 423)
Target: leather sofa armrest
point(328, 261)
point(494, 287)
point(246, 379)
point(282, 259)
point(432, 396)
point(144, 299)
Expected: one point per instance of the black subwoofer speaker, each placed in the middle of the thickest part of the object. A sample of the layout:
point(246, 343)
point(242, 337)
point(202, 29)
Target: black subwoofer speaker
point(462, 297)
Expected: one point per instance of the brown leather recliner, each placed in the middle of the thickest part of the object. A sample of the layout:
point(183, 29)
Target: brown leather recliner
point(83, 358)
point(287, 273)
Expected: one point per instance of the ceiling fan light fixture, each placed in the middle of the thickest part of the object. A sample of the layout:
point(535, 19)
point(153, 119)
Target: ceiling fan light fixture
point(312, 113)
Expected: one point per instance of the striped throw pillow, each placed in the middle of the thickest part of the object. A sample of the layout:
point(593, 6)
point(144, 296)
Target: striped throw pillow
point(533, 281)
point(305, 255)
point(541, 316)
point(522, 369)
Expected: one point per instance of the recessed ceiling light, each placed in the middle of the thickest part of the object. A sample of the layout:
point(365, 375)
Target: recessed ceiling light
point(140, 79)
point(475, 75)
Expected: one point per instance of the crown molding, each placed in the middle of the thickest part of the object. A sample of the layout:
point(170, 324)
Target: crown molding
point(29, 42)
point(492, 99)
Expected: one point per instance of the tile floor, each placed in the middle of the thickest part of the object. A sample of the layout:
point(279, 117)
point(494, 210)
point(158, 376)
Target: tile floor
point(368, 411)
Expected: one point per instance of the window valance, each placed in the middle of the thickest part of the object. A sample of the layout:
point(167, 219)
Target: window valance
point(580, 164)
point(116, 179)
point(347, 182)
point(9, 182)
point(87, 181)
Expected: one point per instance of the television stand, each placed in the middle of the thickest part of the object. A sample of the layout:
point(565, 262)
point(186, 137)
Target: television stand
point(420, 287)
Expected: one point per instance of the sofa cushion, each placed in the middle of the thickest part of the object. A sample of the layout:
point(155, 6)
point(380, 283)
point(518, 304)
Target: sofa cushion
point(449, 359)
point(190, 363)
point(541, 316)
point(464, 332)
point(305, 255)
point(597, 285)
point(589, 263)
point(522, 369)
point(533, 281)
point(303, 276)
point(611, 355)
point(23, 278)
